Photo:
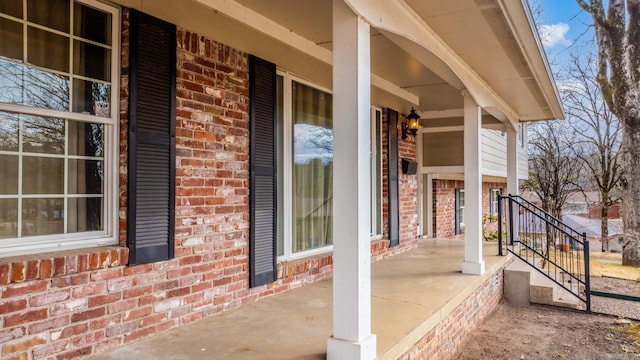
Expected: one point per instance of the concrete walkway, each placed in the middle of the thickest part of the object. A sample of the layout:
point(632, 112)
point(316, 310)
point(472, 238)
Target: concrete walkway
point(411, 293)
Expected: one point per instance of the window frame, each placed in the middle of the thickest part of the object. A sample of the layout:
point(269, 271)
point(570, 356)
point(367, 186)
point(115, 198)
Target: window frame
point(493, 201)
point(109, 234)
point(284, 161)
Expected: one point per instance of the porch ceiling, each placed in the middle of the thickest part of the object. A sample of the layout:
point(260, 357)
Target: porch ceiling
point(493, 37)
point(487, 34)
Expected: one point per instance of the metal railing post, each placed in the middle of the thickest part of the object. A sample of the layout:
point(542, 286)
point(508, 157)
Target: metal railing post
point(500, 198)
point(510, 221)
point(587, 274)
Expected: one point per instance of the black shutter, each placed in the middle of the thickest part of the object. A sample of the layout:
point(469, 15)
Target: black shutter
point(262, 164)
point(152, 141)
point(394, 197)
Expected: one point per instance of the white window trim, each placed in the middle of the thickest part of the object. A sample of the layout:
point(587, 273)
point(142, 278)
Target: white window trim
point(491, 202)
point(108, 236)
point(287, 180)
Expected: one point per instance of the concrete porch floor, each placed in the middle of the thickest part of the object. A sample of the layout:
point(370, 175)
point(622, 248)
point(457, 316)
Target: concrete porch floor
point(411, 293)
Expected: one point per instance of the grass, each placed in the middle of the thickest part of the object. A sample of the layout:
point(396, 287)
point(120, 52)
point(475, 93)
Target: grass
point(607, 264)
point(602, 264)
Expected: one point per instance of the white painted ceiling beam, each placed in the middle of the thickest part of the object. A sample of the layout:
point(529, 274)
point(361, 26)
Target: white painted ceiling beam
point(399, 18)
point(261, 23)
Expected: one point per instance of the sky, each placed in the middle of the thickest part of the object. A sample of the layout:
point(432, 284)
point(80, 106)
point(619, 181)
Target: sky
point(564, 28)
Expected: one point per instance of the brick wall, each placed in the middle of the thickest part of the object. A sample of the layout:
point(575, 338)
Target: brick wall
point(444, 207)
point(69, 304)
point(449, 335)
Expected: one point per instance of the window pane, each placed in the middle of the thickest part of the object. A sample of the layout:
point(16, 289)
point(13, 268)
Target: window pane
point(8, 218)
point(92, 98)
point(11, 7)
point(86, 139)
point(43, 135)
point(8, 174)
point(26, 85)
point(47, 49)
point(92, 24)
point(85, 176)
point(91, 61)
point(50, 13)
point(312, 168)
point(11, 39)
point(84, 214)
point(9, 128)
point(42, 175)
point(42, 216)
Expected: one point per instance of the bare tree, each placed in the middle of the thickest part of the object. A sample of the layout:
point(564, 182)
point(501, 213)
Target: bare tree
point(617, 30)
point(597, 135)
point(553, 168)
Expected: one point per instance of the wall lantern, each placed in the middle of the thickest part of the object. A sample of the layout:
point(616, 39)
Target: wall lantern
point(410, 124)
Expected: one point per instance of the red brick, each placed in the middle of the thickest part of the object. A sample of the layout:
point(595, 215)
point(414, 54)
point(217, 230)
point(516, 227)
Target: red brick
point(29, 316)
point(77, 353)
point(137, 313)
point(18, 272)
point(32, 270)
point(46, 268)
point(101, 323)
point(74, 330)
point(59, 266)
point(87, 339)
point(12, 306)
point(49, 298)
point(106, 274)
point(137, 291)
point(121, 329)
point(120, 306)
point(104, 299)
point(70, 280)
point(50, 350)
point(89, 314)
point(23, 344)
point(4, 273)
point(88, 290)
point(10, 334)
point(139, 334)
point(49, 324)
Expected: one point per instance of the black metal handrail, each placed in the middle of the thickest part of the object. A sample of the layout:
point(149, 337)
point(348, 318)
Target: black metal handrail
point(547, 244)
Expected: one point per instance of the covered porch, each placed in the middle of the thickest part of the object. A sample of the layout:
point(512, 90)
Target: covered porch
point(412, 295)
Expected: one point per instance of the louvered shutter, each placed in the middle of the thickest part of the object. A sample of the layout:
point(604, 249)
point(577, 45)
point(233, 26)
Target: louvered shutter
point(263, 186)
point(394, 200)
point(152, 110)
point(457, 207)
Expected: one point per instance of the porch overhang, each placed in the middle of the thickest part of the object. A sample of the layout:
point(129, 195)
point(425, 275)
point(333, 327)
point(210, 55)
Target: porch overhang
point(423, 53)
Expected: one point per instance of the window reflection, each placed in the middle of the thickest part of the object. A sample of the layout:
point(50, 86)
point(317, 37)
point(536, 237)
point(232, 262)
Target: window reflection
point(8, 174)
point(43, 135)
point(50, 13)
point(9, 130)
point(84, 214)
point(86, 139)
point(312, 168)
point(91, 97)
point(85, 176)
point(25, 85)
point(11, 39)
point(42, 216)
point(8, 218)
point(42, 175)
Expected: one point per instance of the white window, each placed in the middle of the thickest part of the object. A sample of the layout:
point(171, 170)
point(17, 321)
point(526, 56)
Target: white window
point(493, 201)
point(58, 125)
point(376, 173)
point(305, 168)
point(459, 211)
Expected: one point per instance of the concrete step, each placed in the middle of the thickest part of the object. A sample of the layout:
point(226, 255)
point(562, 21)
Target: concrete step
point(524, 285)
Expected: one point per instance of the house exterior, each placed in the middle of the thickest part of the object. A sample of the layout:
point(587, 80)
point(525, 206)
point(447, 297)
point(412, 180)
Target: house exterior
point(163, 161)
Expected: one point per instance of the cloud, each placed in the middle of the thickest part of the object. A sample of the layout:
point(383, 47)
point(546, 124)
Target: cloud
point(554, 34)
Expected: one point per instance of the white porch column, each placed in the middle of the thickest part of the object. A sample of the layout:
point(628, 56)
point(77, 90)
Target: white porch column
point(352, 338)
point(473, 262)
point(512, 161)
